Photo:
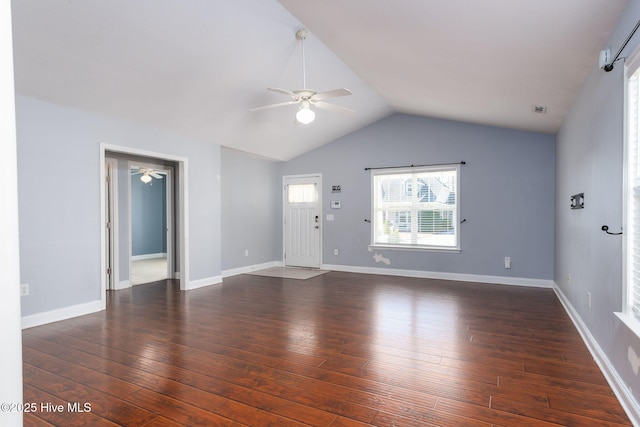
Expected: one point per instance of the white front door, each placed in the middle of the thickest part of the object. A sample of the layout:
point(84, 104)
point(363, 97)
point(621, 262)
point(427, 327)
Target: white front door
point(302, 221)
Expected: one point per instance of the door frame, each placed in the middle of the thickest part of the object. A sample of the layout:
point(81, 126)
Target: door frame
point(284, 214)
point(181, 212)
point(169, 232)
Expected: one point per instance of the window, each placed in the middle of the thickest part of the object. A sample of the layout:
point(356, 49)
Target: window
point(302, 193)
point(416, 208)
point(632, 196)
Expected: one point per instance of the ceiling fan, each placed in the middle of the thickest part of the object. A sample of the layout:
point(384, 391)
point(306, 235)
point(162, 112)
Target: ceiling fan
point(147, 174)
point(307, 97)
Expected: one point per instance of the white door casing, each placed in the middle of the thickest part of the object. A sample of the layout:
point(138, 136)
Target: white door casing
point(302, 221)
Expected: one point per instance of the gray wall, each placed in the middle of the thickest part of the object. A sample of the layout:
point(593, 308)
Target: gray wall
point(250, 210)
point(590, 160)
point(60, 214)
point(506, 194)
point(148, 216)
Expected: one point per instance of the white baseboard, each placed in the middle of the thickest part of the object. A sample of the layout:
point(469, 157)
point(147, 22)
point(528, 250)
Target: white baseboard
point(201, 283)
point(500, 280)
point(123, 284)
point(250, 268)
point(628, 402)
point(148, 256)
point(61, 314)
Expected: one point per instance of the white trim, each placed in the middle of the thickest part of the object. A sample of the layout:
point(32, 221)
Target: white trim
point(628, 402)
point(182, 211)
point(250, 268)
point(61, 314)
point(10, 334)
point(201, 283)
point(103, 231)
point(631, 322)
point(627, 240)
point(414, 248)
point(148, 256)
point(460, 277)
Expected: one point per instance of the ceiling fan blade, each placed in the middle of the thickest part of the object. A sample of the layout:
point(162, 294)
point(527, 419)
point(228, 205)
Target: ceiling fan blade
point(331, 107)
point(281, 104)
point(155, 175)
point(284, 92)
point(136, 173)
point(331, 94)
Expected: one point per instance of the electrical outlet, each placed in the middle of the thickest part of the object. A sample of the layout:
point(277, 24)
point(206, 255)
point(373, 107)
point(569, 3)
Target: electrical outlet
point(589, 299)
point(246, 252)
point(24, 289)
point(507, 262)
point(335, 251)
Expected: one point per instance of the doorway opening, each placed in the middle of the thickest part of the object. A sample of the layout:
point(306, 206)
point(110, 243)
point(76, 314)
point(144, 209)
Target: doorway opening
point(117, 164)
point(151, 225)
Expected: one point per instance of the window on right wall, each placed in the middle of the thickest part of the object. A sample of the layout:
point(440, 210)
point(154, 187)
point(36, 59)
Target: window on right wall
point(631, 297)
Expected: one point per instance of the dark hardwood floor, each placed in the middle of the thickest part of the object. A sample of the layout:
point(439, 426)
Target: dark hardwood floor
point(336, 350)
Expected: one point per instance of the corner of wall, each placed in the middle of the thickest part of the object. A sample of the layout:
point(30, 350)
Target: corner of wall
point(628, 402)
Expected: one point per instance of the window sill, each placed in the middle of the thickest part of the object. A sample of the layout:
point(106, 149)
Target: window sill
point(414, 248)
point(631, 322)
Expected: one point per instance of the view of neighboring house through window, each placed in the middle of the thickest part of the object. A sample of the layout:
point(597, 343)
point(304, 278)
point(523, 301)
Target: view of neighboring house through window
point(416, 207)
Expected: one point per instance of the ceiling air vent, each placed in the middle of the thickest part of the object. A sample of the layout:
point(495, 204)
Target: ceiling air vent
point(539, 109)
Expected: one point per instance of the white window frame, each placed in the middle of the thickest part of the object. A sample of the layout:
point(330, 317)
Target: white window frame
point(631, 142)
point(416, 247)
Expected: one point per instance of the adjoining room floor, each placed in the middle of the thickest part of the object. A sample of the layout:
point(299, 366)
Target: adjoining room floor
point(148, 270)
point(339, 349)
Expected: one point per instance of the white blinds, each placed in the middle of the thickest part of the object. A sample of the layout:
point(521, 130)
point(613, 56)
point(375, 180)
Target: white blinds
point(416, 207)
point(633, 196)
point(302, 193)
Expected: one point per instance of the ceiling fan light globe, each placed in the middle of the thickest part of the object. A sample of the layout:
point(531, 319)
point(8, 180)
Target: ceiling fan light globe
point(145, 178)
point(305, 116)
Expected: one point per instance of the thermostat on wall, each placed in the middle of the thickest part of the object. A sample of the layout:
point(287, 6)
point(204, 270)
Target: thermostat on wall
point(335, 204)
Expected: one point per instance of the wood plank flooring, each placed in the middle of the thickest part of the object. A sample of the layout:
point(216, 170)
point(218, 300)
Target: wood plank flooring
point(339, 350)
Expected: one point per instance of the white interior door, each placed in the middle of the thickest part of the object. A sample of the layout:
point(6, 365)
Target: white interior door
point(302, 221)
point(110, 210)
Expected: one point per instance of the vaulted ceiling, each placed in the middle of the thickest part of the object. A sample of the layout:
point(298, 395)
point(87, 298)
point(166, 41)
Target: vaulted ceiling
point(196, 67)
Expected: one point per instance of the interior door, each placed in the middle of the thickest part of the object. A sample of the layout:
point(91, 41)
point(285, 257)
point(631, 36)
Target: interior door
point(302, 221)
point(110, 167)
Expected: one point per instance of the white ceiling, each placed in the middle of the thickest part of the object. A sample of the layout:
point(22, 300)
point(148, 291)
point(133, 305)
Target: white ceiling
point(196, 67)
